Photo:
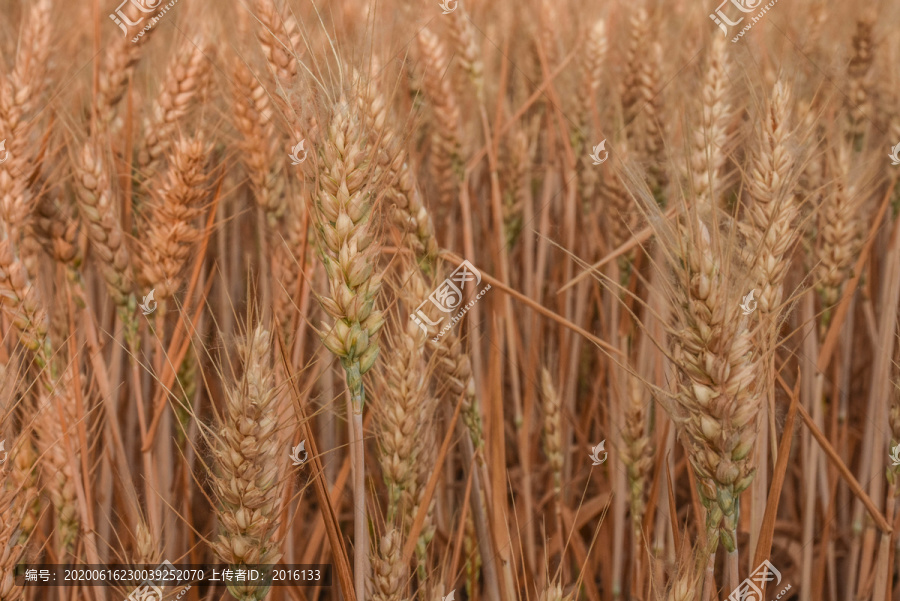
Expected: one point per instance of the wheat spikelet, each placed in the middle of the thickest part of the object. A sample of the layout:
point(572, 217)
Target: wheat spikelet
point(98, 215)
point(249, 456)
point(186, 81)
point(445, 139)
point(774, 209)
point(710, 139)
point(171, 231)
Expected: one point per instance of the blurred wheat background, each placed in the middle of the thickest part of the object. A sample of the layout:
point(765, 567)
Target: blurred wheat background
point(689, 248)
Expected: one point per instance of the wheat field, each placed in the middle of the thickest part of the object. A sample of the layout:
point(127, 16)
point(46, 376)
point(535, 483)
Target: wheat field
point(450, 300)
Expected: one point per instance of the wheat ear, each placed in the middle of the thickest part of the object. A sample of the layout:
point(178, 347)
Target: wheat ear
point(637, 453)
point(349, 251)
point(839, 223)
point(409, 214)
point(19, 300)
point(187, 80)
point(859, 96)
point(20, 94)
point(389, 574)
point(260, 154)
point(773, 212)
point(445, 139)
point(250, 456)
point(711, 138)
point(99, 218)
point(55, 467)
point(171, 230)
point(718, 398)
